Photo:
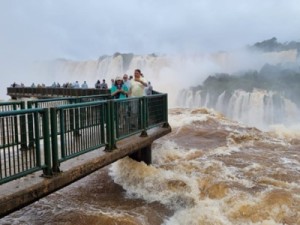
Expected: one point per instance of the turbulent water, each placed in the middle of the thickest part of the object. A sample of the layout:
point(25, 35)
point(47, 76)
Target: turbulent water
point(209, 170)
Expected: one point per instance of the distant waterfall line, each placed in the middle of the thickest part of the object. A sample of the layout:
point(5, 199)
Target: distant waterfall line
point(259, 108)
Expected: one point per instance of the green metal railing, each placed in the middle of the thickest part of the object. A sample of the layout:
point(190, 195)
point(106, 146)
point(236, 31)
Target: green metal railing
point(10, 106)
point(81, 129)
point(54, 102)
point(66, 131)
point(16, 162)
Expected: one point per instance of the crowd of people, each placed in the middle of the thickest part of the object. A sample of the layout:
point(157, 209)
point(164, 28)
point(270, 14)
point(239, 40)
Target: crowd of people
point(121, 87)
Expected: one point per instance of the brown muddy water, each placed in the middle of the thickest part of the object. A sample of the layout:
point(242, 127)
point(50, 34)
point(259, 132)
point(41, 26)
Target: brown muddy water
point(209, 170)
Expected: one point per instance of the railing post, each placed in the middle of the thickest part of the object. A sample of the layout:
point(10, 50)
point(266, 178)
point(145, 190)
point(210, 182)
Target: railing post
point(55, 161)
point(143, 115)
point(77, 121)
point(47, 170)
point(23, 130)
point(38, 135)
point(62, 132)
point(72, 125)
point(110, 127)
point(76, 130)
point(30, 127)
point(102, 114)
point(166, 124)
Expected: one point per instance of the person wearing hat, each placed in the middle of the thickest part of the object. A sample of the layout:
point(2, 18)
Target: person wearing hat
point(119, 90)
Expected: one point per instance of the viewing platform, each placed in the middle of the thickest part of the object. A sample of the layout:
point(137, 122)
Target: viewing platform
point(50, 92)
point(46, 144)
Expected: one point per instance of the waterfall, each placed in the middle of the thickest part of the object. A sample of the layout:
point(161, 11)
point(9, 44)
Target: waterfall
point(173, 75)
point(220, 102)
point(259, 108)
point(198, 99)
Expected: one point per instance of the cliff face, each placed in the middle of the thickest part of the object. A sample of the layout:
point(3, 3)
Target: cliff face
point(256, 97)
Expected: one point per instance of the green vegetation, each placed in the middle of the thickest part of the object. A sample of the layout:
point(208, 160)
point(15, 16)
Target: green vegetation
point(272, 45)
point(272, 78)
point(283, 79)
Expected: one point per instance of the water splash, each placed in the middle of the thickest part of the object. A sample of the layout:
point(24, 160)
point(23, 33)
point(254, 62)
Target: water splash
point(251, 178)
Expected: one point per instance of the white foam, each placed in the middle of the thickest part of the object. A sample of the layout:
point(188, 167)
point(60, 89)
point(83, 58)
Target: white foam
point(155, 184)
point(286, 132)
point(206, 212)
point(184, 120)
point(224, 150)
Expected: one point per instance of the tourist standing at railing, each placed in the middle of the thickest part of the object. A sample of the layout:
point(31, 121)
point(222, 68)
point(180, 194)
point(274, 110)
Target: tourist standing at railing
point(98, 84)
point(126, 81)
point(76, 84)
point(149, 89)
point(138, 84)
point(104, 85)
point(137, 89)
point(119, 90)
point(84, 85)
point(14, 85)
point(112, 82)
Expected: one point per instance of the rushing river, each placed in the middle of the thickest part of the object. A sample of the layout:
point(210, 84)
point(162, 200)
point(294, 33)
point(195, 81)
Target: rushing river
point(208, 171)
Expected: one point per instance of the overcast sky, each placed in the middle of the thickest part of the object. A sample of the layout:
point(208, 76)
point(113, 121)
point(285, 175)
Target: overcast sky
point(87, 29)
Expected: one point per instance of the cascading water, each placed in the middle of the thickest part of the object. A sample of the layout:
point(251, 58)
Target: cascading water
point(258, 108)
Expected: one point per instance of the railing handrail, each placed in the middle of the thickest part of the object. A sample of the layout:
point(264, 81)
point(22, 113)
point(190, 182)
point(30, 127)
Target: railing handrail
point(11, 103)
point(68, 98)
point(21, 112)
point(78, 105)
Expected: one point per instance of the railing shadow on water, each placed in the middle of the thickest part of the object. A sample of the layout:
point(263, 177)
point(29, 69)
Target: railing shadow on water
point(52, 131)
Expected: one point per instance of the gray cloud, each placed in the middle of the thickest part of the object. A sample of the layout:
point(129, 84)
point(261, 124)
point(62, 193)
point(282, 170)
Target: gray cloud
point(87, 29)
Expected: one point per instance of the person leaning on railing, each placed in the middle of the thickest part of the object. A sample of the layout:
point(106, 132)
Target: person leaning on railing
point(137, 88)
point(119, 90)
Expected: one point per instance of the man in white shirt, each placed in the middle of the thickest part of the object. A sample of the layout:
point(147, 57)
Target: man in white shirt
point(137, 88)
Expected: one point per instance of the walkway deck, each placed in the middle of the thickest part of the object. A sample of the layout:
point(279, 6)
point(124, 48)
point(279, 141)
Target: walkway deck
point(21, 192)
